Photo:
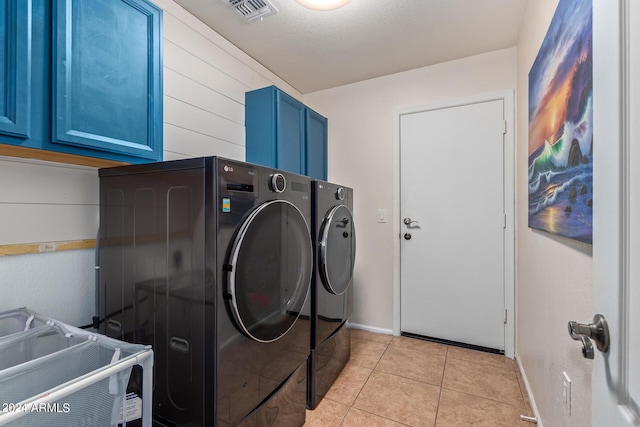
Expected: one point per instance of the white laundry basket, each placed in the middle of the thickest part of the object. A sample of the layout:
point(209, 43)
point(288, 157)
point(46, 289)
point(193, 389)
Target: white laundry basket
point(19, 320)
point(57, 375)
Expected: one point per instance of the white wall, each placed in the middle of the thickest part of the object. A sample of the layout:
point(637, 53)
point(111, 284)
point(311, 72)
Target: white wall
point(361, 152)
point(553, 274)
point(205, 78)
point(56, 284)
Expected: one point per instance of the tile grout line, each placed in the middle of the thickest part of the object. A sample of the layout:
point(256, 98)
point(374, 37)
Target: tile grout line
point(444, 368)
point(378, 416)
point(469, 393)
point(388, 346)
point(482, 397)
point(521, 404)
point(363, 385)
point(449, 357)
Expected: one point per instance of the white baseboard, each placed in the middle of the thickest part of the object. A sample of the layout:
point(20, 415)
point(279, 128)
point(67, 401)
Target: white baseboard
point(371, 328)
point(532, 401)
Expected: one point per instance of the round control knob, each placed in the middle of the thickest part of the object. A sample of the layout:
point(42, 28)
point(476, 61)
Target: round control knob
point(278, 183)
point(340, 193)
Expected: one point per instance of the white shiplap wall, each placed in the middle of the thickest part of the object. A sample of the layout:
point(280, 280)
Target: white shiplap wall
point(205, 78)
point(44, 201)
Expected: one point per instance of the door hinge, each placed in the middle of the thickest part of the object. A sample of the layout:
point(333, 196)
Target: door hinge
point(504, 127)
point(505, 316)
point(504, 224)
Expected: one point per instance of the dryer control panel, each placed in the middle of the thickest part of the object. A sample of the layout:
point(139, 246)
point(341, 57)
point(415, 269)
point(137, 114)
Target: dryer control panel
point(237, 178)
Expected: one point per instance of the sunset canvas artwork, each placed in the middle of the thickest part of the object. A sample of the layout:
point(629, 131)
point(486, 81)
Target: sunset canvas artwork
point(561, 126)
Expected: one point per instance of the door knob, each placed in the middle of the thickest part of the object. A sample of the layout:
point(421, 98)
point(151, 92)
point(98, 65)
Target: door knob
point(409, 221)
point(597, 331)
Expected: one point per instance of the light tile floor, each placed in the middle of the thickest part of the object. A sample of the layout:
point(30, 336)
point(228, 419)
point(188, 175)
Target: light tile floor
point(399, 381)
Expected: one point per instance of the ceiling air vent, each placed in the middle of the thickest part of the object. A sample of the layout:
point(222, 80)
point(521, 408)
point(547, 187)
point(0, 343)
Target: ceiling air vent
point(252, 9)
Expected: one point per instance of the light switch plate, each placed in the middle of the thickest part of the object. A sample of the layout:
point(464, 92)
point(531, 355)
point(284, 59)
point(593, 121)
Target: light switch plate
point(382, 215)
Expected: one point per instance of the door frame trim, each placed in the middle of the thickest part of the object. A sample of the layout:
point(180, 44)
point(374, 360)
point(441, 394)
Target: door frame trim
point(507, 96)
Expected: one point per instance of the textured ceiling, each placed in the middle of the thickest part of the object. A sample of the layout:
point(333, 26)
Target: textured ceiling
point(315, 50)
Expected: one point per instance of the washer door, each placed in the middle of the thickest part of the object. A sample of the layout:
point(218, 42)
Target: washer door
point(337, 249)
point(269, 270)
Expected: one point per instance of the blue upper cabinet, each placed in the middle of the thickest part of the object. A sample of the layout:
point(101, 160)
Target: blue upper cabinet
point(282, 132)
point(82, 77)
point(107, 77)
point(15, 52)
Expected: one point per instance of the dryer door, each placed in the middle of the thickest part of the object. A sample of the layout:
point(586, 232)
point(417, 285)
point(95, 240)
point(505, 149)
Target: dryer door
point(337, 250)
point(270, 269)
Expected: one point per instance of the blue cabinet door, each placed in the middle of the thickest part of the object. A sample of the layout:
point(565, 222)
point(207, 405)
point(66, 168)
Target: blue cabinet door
point(107, 79)
point(260, 127)
point(316, 137)
point(290, 147)
point(15, 67)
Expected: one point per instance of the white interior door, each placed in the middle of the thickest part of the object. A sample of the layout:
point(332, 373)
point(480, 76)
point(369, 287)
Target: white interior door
point(452, 283)
point(616, 219)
